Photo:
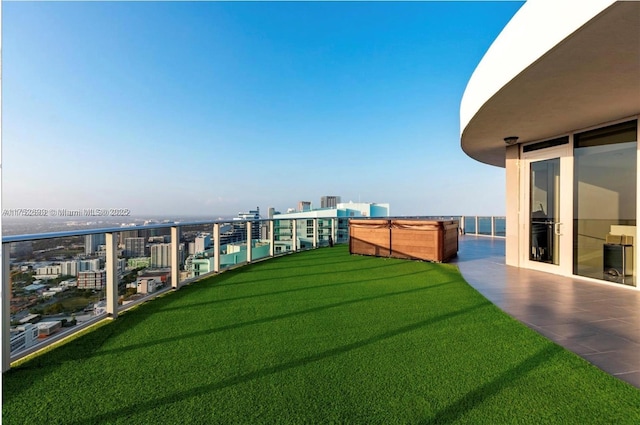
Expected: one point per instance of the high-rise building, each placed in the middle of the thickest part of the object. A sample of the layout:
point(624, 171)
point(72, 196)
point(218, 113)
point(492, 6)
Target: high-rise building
point(93, 265)
point(125, 234)
point(69, 268)
point(92, 242)
point(202, 242)
point(255, 229)
point(304, 206)
point(135, 247)
point(329, 201)
point(160, 255)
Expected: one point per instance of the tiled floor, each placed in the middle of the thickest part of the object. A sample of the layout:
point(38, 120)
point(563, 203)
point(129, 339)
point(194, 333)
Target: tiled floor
point(599, 322)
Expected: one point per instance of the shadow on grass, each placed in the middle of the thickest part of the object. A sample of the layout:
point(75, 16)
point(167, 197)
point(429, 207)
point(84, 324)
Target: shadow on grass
point(90, 344)
point(456, 410)
point(285, 291)
point(246, 271)
point(262, 320)
point(128, 411)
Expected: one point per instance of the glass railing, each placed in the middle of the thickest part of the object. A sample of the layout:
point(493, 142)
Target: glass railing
point(494, 226)
point(62, 282)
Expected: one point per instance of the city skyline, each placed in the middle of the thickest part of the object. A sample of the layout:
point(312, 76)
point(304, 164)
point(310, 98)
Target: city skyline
point(211, 108)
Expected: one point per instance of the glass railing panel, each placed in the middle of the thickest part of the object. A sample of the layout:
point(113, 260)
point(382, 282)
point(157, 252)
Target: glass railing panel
point(470, 224)
point(324, 232)
point(260, 240)
point(197, 245)
point(48, 296)
point(233, 244)
point(500, 226)
point(144, 264)
point(342, 231)
point(283, 236)
point(305, 234)
point(484, 226)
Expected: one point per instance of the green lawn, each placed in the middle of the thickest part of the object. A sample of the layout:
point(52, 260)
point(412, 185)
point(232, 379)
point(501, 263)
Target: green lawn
point(316, 337)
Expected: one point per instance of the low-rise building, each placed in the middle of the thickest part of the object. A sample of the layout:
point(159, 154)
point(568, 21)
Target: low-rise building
point(92, 279)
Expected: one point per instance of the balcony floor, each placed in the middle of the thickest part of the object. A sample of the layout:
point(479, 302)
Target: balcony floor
point(599, 322)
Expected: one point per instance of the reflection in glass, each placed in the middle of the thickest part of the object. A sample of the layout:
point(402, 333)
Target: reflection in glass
point(544, 208)
point(604, 194)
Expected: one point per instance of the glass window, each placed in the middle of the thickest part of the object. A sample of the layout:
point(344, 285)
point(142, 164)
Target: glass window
point(605, 168)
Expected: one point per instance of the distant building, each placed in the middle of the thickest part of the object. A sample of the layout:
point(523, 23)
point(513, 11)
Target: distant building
point(160, 239)
point(202, 242)
point(366, 209)
point(201, 266)
point(304, 228)
point(329, 201)
point(138, 262)
point(92, 242)
point(160, 277)
point(23, 337)
point(126, 234)
point(92, 279)
point(122, 265)
point(48, 271)
point(147, 285)
point(92, 264)
point(271, 212)
point(135, 247)
point(161, 255)
point(240, 229)
point(69, 268)
point(304, 206)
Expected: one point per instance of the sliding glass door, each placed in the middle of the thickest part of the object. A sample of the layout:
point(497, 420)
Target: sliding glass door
point(547, 212)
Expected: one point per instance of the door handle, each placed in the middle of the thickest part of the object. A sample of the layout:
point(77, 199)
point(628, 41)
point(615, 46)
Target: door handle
point(556, 229)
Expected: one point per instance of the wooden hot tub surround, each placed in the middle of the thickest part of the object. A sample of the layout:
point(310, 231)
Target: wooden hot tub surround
point(417, 239)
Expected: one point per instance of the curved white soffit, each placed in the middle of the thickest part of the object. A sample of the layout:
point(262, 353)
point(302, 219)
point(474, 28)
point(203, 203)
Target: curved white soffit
point(534, 30)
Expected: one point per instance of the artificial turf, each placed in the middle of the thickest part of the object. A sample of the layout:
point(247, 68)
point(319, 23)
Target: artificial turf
point(316, 337)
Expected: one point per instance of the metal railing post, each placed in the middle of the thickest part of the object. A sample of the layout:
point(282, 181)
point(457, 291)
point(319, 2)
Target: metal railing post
point(112, 274)
point(294, 235)
point(462, 220)
point(249, 226)
point(175, 257)
point(477, 221)
point(493, 226)
point(333, 229)
point(216, 247)
point(315, 233)
point(272, 238)
point(6, 306)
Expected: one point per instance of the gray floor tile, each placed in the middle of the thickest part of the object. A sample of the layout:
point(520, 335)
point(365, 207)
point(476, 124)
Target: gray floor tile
point(599, 322)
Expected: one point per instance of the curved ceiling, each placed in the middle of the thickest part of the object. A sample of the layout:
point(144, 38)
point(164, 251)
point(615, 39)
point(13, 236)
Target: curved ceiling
point(590, 77)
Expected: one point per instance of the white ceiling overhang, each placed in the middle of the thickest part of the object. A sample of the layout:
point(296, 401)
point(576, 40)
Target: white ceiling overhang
point(589, 77)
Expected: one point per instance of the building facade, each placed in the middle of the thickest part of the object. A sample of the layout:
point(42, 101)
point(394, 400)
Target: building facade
point(556, 102)
point(92, 279)
point(202, 243)
point(304, 206)
point(329, 201)
point(135, 247)
point(161, 255)
point(92, 242)
point(339, 232)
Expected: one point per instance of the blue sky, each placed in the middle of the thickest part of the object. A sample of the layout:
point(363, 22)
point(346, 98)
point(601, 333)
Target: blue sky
point(211, 108)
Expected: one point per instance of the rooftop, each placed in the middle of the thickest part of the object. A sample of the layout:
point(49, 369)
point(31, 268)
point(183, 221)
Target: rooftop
point(324, 336)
